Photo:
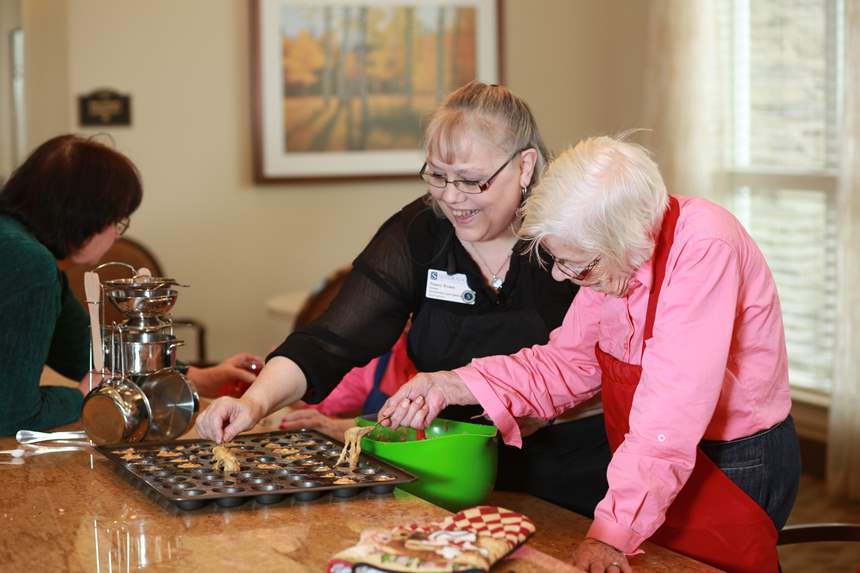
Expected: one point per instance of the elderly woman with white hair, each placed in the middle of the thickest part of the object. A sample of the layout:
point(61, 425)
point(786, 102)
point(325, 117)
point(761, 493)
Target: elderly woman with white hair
point(678, 324)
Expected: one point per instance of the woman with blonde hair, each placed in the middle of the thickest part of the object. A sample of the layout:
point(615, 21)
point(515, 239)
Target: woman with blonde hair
point(678, 325)
point(451, 263)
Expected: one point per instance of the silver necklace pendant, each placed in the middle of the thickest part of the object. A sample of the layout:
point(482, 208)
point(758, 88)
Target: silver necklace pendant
point(496, 282)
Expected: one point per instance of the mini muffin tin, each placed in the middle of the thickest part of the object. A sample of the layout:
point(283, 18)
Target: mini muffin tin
point(305, 475)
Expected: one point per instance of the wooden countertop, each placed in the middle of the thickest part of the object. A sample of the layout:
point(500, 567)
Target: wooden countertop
point(72, 512)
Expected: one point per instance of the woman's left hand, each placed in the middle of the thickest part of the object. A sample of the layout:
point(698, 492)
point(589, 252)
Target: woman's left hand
point(417, 403)
point(316, 420)
point(596, 557)
point(208, 380)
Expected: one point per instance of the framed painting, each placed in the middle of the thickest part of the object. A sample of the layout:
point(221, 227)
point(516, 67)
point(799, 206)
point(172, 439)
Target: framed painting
point(342, 88)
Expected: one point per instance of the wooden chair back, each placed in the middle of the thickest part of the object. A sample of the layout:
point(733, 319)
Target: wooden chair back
point(318, 301)
point(818, 532)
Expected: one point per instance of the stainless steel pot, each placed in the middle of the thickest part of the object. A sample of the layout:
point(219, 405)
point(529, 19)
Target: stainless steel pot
point(174, 404)
point(144, 352)
point(116, 411)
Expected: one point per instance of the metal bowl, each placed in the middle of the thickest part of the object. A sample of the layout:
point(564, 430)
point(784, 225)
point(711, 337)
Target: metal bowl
point(142, 302)
point(116, 411)
point(142, 282)
point(173, 401)
point(150, 324)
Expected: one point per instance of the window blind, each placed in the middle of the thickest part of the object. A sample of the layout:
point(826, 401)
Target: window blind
point(785, 64)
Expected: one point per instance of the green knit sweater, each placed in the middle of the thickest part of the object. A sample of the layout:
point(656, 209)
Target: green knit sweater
point(41, 322)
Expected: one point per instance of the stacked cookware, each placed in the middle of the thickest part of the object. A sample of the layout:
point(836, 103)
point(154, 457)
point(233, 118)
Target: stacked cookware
point(142, 395)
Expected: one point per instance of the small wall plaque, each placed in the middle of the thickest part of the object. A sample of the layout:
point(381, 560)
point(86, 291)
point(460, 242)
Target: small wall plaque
point(103, 108)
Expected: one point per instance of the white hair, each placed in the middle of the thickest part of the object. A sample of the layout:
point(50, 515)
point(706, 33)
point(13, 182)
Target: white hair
point(605, 196)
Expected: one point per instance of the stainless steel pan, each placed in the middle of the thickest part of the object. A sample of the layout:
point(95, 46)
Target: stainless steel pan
point(173, 401)
point(117, 410)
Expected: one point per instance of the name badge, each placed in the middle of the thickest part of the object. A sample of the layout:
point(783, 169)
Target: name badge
point(451, 288)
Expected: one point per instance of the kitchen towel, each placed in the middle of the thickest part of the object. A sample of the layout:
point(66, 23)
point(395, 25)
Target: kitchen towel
point(470, 541)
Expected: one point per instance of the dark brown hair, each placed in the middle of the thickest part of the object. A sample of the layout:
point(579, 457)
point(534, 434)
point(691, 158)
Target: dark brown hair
point(70, 189)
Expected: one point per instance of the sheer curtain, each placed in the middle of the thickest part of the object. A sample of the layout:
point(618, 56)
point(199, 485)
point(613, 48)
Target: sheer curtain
point(683, 97)
point(843, 456)
point(688, 106)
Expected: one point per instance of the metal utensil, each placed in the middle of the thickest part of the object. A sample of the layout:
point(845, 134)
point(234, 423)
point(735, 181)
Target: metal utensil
point(173, 401)
point(117, 410)
point(39, 450)
point(116, 264)
point(92, 288)
point(145, 352)
point(32, 436)
point(142, 282)
point(420, 434)
point(142, 302)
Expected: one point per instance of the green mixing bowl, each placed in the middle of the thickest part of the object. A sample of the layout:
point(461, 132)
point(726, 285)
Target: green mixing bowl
point(455, 464)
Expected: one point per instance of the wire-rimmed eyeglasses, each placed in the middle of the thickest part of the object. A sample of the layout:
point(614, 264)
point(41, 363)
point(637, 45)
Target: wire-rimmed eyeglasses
point(575, 273)
point(122, 225)
point(466, 186)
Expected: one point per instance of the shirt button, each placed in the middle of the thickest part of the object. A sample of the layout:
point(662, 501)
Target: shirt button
point(661, 438)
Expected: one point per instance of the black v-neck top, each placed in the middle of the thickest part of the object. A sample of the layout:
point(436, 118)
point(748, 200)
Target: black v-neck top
point(387, 286)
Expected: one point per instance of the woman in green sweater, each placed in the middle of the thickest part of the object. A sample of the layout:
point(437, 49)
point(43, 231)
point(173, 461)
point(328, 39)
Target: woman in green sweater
point(64, 206)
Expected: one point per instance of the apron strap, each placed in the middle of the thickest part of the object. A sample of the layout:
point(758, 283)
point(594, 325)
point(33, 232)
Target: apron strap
point(661, 256)
point(376, 397)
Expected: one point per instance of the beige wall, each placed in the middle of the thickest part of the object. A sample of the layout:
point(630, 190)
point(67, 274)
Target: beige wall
point(186, 65)
point(46, 69)
point(10, 18)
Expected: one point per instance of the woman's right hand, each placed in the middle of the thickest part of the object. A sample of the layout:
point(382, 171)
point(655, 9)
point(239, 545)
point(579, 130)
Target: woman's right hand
point(226, 417)
point(280, 383)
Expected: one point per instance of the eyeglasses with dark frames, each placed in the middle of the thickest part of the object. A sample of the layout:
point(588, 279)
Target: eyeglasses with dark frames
point(464, 185)
point(122, 225)
point(577, 274)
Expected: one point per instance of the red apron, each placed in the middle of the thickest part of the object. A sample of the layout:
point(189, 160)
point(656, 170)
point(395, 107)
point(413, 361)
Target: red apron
point(711, 519)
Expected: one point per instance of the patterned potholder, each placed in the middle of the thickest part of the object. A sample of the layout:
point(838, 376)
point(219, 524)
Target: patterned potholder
point(469, 541)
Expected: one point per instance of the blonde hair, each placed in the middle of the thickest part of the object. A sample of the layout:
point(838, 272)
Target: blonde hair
point(605, 196)
point(490, 110)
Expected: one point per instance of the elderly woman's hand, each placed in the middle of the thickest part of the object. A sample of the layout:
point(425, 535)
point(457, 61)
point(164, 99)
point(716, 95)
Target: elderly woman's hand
point(595, 556)
point(417, 403)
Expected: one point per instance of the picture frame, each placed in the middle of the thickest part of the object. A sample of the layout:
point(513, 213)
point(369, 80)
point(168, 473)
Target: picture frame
point(342, 88)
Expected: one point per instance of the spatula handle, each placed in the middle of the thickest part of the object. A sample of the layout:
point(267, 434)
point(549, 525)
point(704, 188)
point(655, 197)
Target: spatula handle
point(92, 289)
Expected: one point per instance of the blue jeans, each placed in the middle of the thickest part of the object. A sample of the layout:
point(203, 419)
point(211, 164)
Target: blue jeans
point(765, 465)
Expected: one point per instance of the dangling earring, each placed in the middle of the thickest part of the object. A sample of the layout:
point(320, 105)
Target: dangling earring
point(525, 191)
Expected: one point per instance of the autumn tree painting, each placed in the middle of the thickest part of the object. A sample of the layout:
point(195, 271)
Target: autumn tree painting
point(359, 78)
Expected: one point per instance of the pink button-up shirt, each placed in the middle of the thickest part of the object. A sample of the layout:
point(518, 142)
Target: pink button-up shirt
point(716, 367)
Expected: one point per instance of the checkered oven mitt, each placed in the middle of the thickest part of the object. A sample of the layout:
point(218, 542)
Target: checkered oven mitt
point(469, 541)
